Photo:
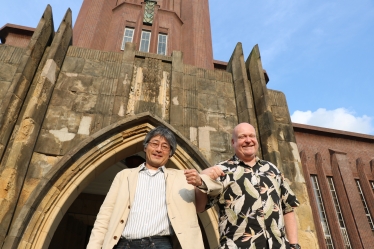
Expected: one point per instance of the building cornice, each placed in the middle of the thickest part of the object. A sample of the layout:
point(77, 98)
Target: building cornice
point(332, 132)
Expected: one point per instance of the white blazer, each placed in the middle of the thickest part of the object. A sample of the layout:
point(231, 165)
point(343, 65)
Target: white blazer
point(180, 199)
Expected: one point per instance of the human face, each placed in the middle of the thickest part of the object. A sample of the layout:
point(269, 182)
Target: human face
point(157, 152)
point(245, 142)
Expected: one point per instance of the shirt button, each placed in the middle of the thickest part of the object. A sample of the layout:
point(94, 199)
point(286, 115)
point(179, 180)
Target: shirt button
point(115, 237)
point(122, 221)
point(128, 207)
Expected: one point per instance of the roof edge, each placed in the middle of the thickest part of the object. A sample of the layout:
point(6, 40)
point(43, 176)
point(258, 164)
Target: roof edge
point(19, 27)
point(334, 132)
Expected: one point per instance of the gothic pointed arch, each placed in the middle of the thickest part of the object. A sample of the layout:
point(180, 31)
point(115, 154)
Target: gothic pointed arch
point(35, 225)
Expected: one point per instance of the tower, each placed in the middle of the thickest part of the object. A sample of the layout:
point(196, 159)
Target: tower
point(158, 27)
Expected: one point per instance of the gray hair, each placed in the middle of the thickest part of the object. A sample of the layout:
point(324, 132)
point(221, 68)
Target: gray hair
point(163, 132)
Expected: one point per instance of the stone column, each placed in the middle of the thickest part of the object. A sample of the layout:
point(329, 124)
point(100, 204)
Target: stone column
point(12, 102)
point(243, 89)
point(20, 149)
point(262, 105)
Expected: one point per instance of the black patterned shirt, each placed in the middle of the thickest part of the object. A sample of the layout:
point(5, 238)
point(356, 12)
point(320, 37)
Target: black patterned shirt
point(251, 205)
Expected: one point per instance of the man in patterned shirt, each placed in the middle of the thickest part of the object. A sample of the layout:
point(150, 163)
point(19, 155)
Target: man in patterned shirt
point(254, 200)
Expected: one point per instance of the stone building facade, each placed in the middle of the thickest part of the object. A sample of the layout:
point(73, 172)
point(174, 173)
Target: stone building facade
point(70, 115)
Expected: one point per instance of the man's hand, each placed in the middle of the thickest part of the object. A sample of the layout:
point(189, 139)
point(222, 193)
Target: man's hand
point(193, 177)
point(213, 172)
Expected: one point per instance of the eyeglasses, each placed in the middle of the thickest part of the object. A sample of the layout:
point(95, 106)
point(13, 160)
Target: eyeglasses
point(155, 145)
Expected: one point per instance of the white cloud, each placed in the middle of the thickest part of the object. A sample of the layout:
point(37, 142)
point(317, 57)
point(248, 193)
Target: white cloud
point(340, 119)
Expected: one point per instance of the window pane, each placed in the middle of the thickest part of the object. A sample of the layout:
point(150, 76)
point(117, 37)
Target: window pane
point(162, 44)
point(144, 43)
point(127, 37)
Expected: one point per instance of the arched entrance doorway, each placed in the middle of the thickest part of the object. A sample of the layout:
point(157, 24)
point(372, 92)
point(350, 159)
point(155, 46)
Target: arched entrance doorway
point(54, 196)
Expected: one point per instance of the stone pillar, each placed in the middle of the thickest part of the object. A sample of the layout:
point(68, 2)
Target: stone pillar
point(242, 86)
point(266, 126)
point(19, 150)
point(12, 102)
point(124, 82)
point(176, 94)
point(243, 89)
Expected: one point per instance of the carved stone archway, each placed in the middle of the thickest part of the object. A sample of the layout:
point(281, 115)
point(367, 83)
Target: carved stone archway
point(54, 194)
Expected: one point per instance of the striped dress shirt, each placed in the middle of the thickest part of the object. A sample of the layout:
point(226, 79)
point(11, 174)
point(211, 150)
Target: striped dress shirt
point(148, 215)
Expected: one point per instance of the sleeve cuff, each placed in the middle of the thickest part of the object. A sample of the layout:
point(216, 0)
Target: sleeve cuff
point(213, 187)
point(288, 209)
point(202, 186)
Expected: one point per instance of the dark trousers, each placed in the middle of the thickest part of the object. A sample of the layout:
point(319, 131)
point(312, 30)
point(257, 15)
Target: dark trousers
point(159, 242)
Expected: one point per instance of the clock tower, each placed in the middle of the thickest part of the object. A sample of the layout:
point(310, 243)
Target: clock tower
point(158, 27)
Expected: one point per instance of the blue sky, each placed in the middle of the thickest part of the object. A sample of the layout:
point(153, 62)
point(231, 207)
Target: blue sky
point(319, 53)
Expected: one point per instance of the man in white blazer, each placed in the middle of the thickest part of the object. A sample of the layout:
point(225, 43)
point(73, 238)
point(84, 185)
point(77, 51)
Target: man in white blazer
point(148, 206)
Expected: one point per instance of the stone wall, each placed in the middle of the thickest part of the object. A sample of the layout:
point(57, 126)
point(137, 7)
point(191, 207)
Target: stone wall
point(96, 89)
point(203, 108)
point(10, 58)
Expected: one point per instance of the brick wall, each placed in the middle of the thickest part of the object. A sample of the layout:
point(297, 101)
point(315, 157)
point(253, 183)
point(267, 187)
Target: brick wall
point(187, 24)
point(345, 157)
point(16, 35)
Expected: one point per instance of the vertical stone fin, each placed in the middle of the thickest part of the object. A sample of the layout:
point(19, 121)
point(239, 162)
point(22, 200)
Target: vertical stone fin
point(243, 90)
point(15, 96)
point(20, 149)
point(261, 102)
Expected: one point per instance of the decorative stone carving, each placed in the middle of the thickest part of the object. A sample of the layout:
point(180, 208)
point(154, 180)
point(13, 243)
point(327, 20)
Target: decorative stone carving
point(149, 12)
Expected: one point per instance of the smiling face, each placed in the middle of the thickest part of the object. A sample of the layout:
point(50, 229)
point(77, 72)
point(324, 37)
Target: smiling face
point(245, 143)
point(157, 152)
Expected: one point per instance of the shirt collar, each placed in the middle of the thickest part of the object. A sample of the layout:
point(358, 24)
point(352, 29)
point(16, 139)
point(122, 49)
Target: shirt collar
point(143, 167)
point(237, 160)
